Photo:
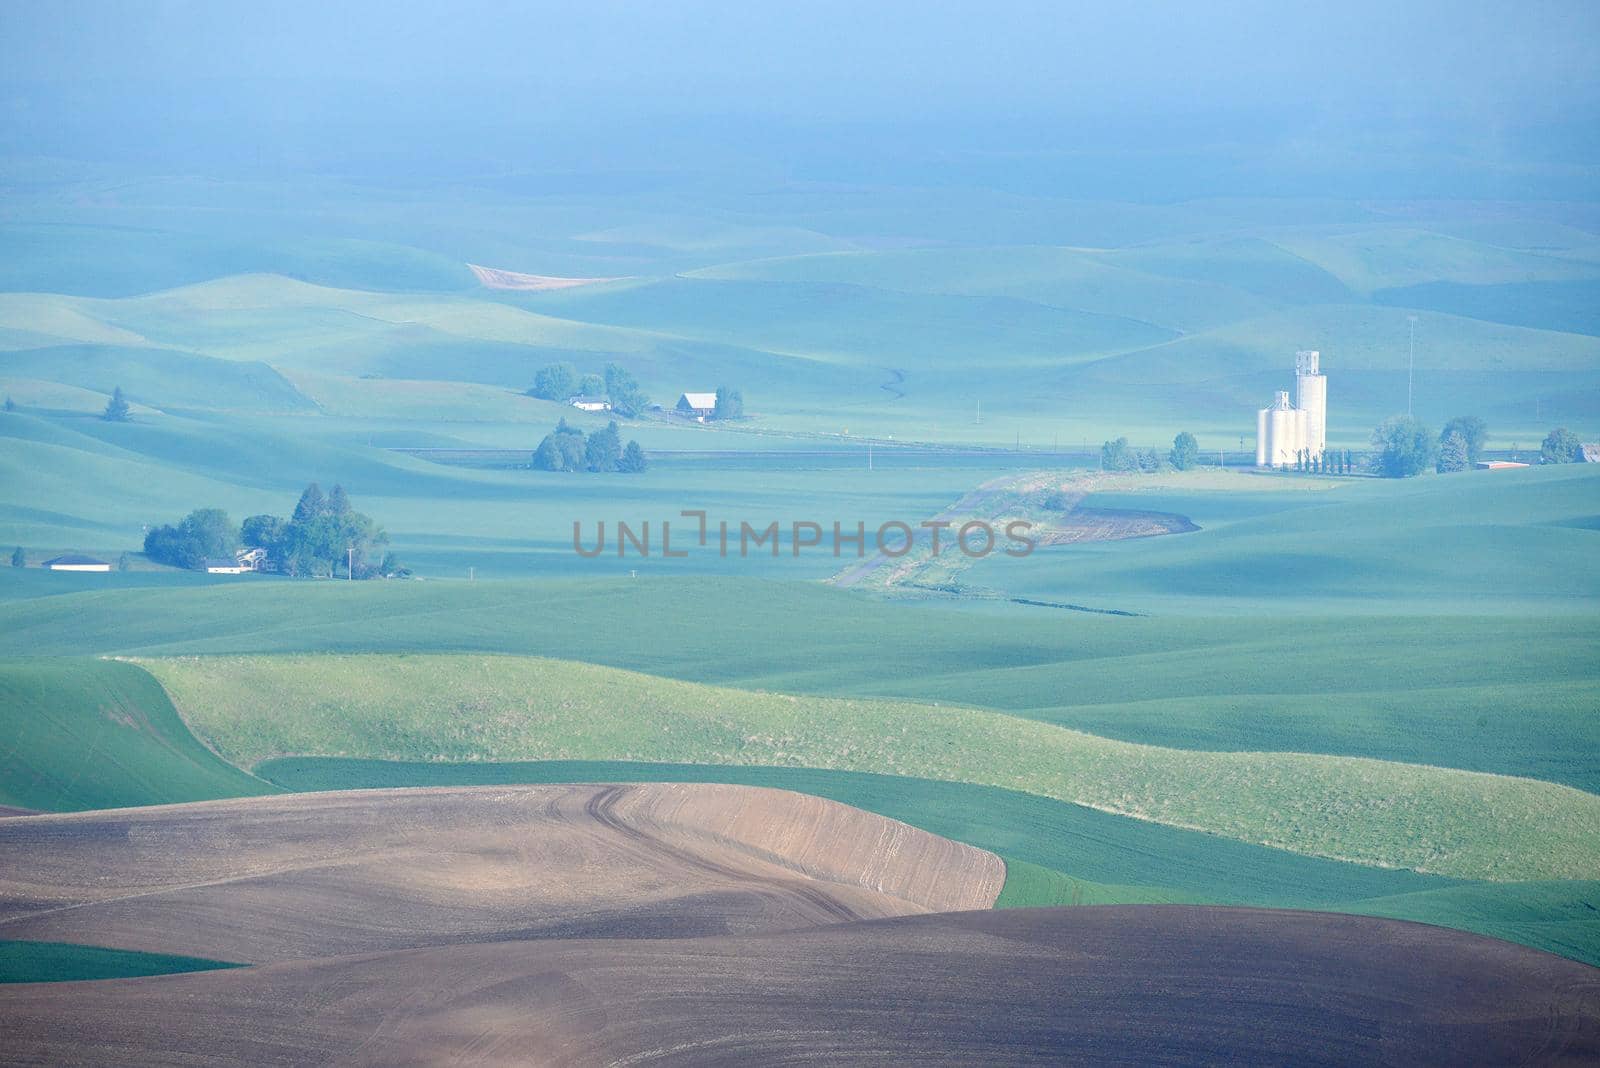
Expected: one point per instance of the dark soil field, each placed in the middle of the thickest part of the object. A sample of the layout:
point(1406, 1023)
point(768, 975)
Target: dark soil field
point(1135, 985)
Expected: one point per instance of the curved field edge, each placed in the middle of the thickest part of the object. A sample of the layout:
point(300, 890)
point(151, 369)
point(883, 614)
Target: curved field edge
point(1062, 854)
point(66, 962)
point(81, 734)
point(499, 708)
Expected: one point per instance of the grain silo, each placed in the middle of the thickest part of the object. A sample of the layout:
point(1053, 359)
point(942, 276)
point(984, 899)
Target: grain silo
point(1311, 397)
point(1280, 432)
point(1285, 432)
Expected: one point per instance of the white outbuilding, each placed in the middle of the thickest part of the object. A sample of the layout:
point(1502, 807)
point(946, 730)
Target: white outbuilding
point(75, 562)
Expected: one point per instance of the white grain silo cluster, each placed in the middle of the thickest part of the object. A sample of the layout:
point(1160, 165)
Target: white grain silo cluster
point(1287, 432)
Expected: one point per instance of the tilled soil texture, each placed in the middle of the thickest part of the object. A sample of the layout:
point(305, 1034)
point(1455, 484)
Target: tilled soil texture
point(1135, 985)
point(315, 875)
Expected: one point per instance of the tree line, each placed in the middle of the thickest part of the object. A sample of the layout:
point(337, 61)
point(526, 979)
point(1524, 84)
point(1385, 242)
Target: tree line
point(1405, 446)
point(566, 448)
point(1118, 455)
point(561, 382)
point(323, 537)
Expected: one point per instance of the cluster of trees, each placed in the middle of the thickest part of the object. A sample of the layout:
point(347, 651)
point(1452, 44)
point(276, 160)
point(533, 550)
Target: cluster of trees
point(1118, 455)
point(1331, 462)
point(730, 403)
point(561, 381)
point(1404, 446)
point(202, 534)
point(568, 449)
point(323, 538)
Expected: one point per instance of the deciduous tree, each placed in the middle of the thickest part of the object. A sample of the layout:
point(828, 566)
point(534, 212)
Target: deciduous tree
point(1404, 447)
point(1561, 446)
point(1185, 451)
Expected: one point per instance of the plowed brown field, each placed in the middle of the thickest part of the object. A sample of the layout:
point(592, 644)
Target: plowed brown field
point(280, 878)
point(1136, 985)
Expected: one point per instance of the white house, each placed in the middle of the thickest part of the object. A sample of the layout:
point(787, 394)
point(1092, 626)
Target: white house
point(699, 405)
point(590, 404)
point(251, 559)
point(75, 562)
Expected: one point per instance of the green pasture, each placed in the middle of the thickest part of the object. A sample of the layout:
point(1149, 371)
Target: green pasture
point(65, 962)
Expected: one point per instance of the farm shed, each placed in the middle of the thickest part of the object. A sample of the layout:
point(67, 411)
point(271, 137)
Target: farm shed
point(225, 565)
point(590, 404)
point(76, 562)
point(701, 405)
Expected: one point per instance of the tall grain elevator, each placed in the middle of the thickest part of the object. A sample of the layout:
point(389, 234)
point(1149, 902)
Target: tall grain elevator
point(1311, 397)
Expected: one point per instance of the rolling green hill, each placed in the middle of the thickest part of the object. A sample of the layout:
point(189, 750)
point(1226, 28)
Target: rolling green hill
point(500, 708)
point(85, 734)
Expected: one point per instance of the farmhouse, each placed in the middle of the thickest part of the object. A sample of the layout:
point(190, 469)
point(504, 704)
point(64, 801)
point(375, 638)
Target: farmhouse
point(590, 404)
point(75, 562)
point(1589, 453)
point(251, 559)
point(699, 405)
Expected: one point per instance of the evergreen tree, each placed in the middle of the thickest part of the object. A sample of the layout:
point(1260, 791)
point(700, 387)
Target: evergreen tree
point(1472, 430)
point(11, 405)
point(633, 459)
point(1453, 453)
point(311, 504)
point(124, 562)
point(19, 558)
point(337, 503)
point(117, 410)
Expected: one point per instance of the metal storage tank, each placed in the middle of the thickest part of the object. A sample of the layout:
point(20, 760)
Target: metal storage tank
point(1286, 432)
point(1312, 399)
point(1280, 432)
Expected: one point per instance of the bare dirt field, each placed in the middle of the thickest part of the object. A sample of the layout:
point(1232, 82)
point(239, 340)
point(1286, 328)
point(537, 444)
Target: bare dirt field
point(1136, 985)
point(281, 878)
point(494, 278)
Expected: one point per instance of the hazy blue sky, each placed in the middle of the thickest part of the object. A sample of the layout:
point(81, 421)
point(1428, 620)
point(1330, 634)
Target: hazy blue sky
point(1494, 79)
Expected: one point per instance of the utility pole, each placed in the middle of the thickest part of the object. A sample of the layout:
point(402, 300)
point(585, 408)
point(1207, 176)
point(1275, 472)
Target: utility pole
point(869, 456)
point(349, 563)
point(472, 574)
point(1411, 363)
point(980, 410)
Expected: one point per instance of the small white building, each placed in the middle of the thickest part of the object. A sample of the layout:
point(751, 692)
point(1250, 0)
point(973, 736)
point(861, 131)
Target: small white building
point(76, 562)
point(225, 565)
point(590, 404)
point(700, 405)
